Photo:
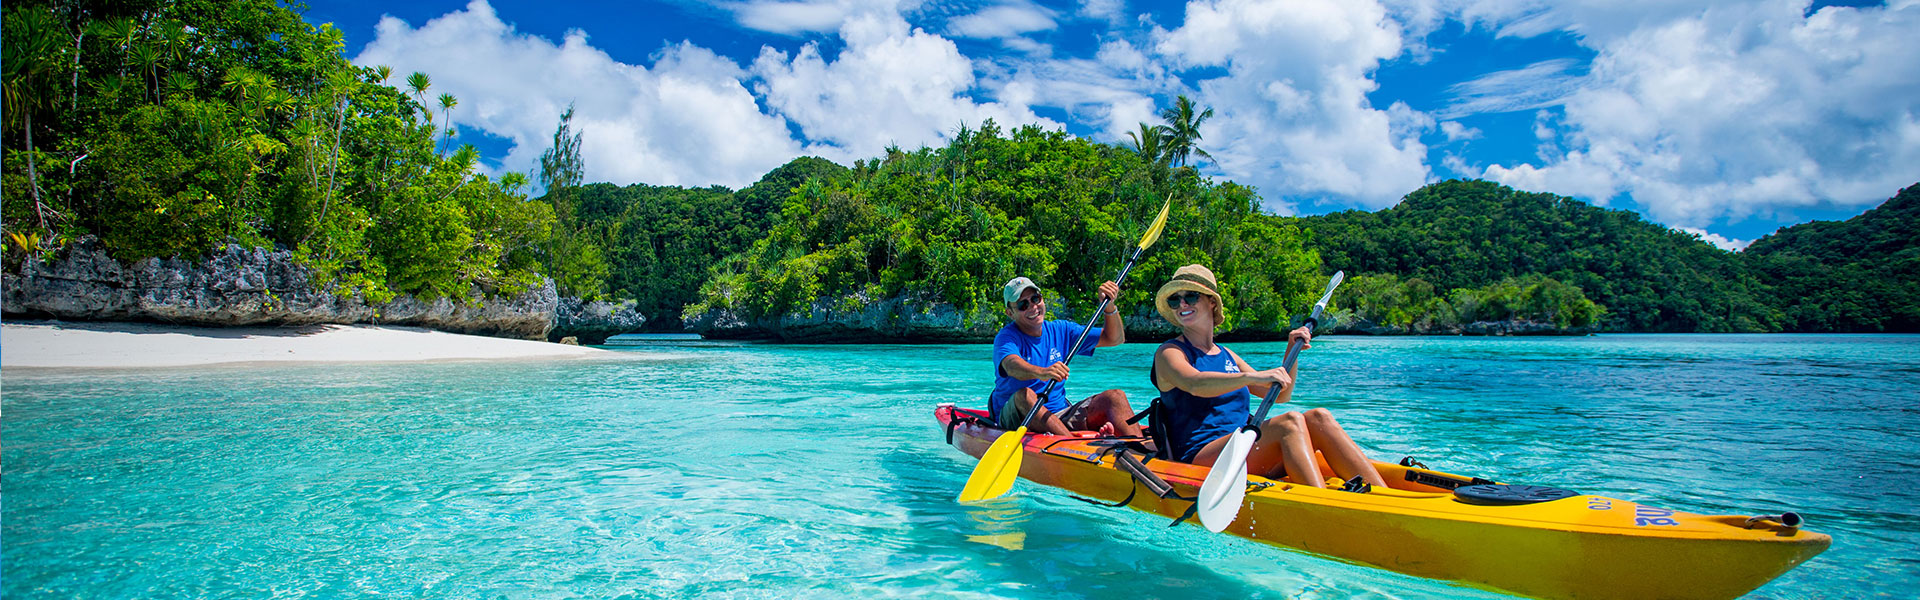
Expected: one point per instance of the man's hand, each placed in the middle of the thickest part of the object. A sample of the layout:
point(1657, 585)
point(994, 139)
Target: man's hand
point(1110, 291)
point(1056, 371)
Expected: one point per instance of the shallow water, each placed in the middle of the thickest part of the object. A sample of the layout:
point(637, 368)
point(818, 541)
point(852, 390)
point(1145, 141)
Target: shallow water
point(735, 470)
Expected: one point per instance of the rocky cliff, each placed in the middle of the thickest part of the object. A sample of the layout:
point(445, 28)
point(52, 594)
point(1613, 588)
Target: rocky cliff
point(238, 286)
point(1358, 326)
point(593, 322)
point(855, 319)
point(916, 320)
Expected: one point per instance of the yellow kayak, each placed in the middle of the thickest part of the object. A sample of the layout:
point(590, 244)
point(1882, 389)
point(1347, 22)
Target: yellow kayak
point(1515, 539)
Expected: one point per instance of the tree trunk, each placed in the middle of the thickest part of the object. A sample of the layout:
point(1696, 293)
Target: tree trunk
point(33, 178)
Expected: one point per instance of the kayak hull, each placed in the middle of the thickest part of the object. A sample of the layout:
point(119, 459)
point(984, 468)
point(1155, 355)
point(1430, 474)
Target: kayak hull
point(1582, 547)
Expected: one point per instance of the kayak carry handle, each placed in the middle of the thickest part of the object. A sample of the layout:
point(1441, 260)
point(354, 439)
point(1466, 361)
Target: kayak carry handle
point(1789, 519)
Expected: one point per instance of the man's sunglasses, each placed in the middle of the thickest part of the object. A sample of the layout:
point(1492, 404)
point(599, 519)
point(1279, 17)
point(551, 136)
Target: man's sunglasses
point(1189, 297)
point(1028, 301)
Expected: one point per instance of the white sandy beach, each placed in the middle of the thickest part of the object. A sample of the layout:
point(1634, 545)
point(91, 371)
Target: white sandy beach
point(120, 345)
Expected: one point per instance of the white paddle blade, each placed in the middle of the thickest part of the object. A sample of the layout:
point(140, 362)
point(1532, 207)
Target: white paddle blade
point(1225, 489)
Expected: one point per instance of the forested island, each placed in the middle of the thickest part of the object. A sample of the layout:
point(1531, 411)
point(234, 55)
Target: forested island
point(192, 130)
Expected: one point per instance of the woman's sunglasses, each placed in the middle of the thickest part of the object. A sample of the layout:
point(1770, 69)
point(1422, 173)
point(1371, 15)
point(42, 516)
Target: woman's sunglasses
point(1028, 301)
point(1189, 297)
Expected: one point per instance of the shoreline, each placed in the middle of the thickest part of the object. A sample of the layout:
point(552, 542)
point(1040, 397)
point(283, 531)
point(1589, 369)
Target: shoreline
point(62, 344)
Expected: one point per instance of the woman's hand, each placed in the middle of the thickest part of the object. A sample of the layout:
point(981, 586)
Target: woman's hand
point(1278, 377)
point(1301, 335)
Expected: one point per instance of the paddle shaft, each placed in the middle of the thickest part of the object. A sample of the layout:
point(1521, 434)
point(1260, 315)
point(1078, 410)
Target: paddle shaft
point(1098, 311)
point(1286, 364)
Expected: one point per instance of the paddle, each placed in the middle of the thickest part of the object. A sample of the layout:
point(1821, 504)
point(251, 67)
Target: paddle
point(1226, 486)
point(1000, 465)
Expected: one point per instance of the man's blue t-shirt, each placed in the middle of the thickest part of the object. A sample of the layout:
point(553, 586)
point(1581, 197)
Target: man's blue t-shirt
point(1056, 338)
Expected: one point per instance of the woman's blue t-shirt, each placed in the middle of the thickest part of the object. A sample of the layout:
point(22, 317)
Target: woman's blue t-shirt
point(1056, 338)
point(1192, 421)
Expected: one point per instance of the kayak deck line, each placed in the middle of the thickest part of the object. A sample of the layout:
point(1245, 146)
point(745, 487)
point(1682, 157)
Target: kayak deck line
point(1582, 546)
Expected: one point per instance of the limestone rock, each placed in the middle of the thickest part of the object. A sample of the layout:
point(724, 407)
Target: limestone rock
point(593, 322)
point(237, 286)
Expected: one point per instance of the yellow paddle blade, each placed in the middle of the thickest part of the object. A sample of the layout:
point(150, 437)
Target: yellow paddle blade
point(997, 469)
point(1159, 224)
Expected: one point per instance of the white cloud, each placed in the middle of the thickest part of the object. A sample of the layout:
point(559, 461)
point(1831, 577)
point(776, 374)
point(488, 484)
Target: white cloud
point(1539, 85)
point(791, 18)
point(1293, 118)
point(1112, 92)
point(1111, 11)
point(1456, 132)
point(1730, 111)
point(890, 85)
point(1719, 241)
point(1003, 21)
point(686, 121)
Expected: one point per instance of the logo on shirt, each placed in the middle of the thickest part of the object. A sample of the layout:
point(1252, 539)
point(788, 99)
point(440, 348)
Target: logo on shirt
point(1233, 367)
point(1053, 355)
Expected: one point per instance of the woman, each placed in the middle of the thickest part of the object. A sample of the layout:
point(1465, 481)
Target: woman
point(1205, 390)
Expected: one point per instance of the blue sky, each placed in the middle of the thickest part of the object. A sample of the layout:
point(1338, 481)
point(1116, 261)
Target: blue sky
point(1728, 119)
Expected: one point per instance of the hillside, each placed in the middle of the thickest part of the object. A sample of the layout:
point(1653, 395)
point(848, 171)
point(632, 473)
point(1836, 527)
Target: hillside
point(1857, 275)
point(1471, 234)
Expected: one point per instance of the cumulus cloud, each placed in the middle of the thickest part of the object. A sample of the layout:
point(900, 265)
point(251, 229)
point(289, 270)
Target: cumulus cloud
point(1113, 92)
point(694, 117)
point(1293, 117)
point(892, 84)
point(686, 121)
point(1735, 110)
point(1456, 132)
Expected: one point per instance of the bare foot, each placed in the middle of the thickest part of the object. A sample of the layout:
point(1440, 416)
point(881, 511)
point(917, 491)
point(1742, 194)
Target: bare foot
point(1106, 430)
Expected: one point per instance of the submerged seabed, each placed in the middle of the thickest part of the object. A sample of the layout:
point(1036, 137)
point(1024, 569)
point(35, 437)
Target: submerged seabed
point(817, 471)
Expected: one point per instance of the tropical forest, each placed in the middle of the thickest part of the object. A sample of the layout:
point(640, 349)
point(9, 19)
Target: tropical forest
point(173, 129)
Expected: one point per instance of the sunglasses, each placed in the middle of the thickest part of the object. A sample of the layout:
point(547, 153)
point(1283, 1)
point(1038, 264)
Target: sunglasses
point(1189, 297)
point(1028, 301)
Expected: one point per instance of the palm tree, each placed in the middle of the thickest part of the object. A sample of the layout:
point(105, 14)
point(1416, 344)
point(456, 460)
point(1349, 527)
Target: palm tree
point(418, 83)
point(1183, 130)
point(447, 102)
point(1151, 144)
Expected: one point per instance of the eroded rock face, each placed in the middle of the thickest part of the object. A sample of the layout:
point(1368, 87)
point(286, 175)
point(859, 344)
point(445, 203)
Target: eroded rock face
point(239, 286)
point(899, 319)
point(1476, 328)
point(593, 322)
point(856, 319)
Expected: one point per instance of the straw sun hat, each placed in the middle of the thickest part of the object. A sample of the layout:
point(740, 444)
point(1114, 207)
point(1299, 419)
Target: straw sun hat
point(1191, 277)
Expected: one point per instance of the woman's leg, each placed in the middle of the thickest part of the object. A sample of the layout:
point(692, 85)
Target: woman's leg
point(1345, 456)
point(1285, 450)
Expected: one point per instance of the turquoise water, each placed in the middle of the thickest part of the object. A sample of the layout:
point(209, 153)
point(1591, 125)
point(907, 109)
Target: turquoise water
point(727, 470)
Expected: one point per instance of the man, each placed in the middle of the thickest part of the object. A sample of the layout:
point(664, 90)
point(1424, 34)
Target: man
point(1031, 351)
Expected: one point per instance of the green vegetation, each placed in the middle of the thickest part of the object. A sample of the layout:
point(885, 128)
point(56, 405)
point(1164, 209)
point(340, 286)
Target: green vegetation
point(173, 128)
point(1414, 305)
point(1858, 275)
point(948, 224)
point(660, 241)
point(1471, 234)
